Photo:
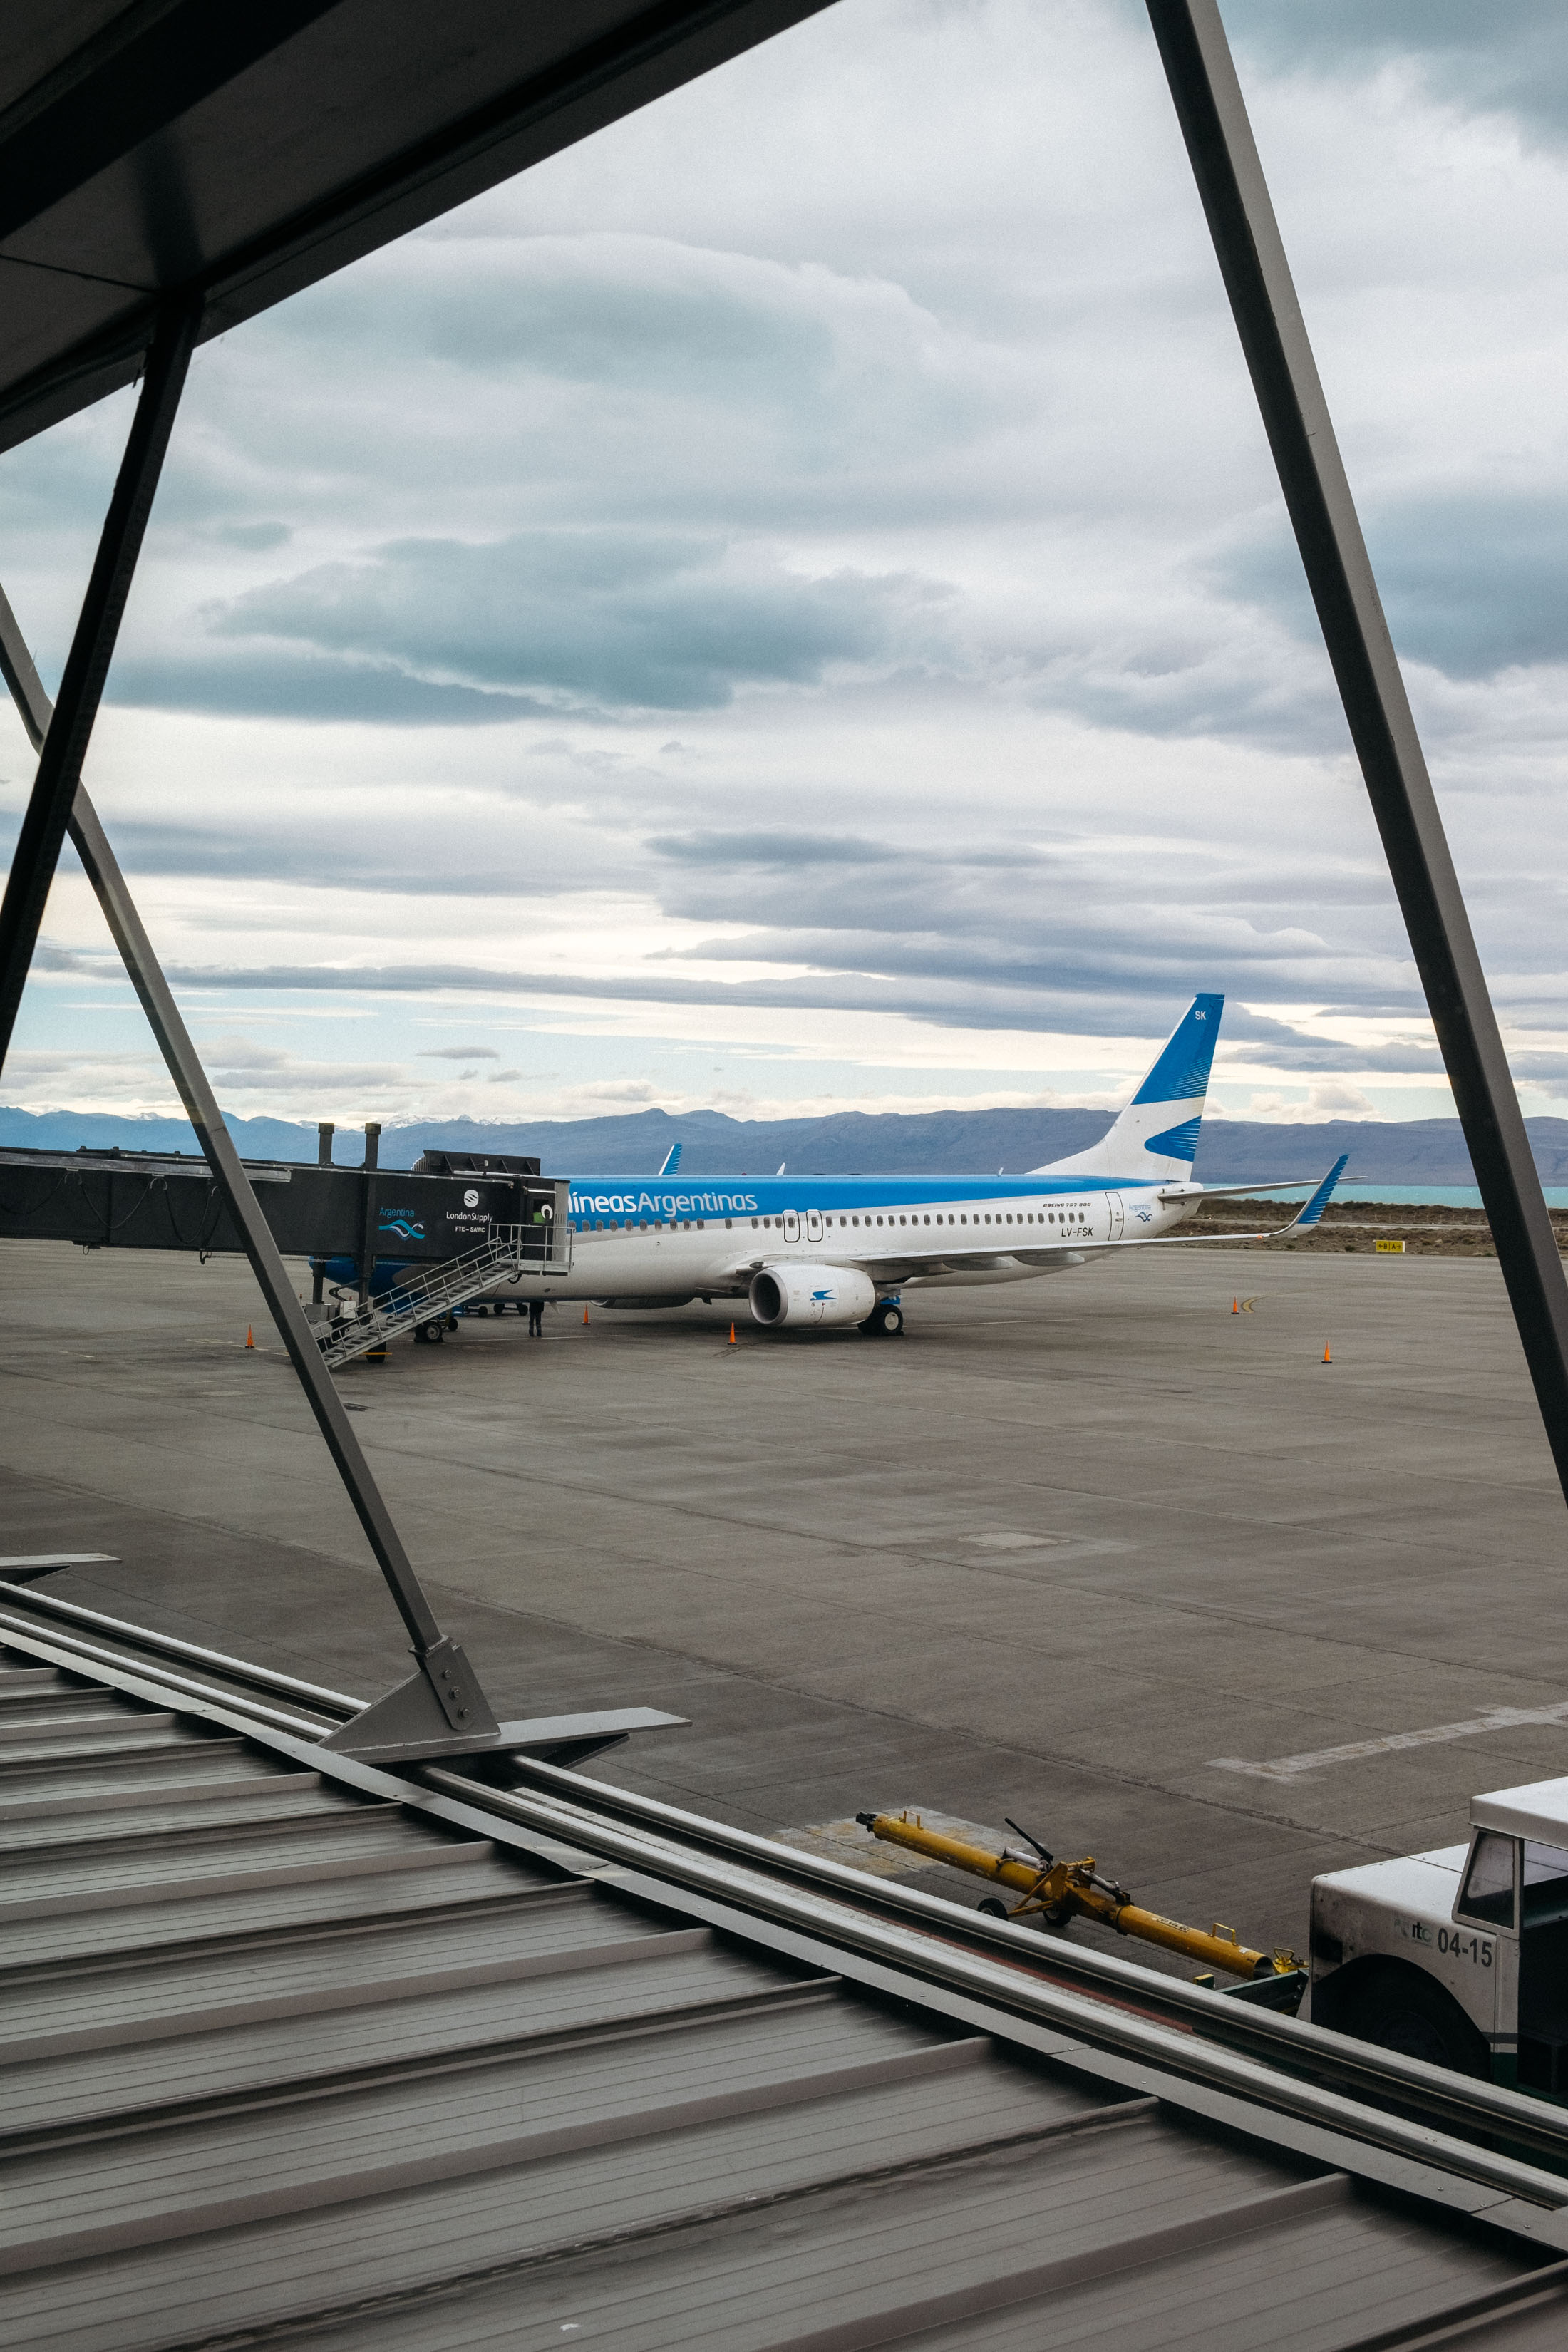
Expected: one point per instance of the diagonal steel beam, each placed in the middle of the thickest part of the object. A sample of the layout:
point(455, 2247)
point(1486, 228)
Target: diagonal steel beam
point(1224, 155)
point(443, 1710)
point(92, 649)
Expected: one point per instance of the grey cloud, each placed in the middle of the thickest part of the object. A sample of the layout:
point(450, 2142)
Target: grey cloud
point(1472, 581)
point(402, 853)
point(275, 683)
point(1506, 56)
point(256, 538)
point(1084, 956)
point(458, 1053)
point(1095, 988)
point(595, 618)
point(615, 311)
point(788, 849)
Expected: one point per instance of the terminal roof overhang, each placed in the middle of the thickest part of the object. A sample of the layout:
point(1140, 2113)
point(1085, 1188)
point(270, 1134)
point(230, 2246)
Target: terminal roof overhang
point(246, 153)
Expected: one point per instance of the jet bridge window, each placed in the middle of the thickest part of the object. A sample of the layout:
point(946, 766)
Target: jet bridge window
point(1488, 1891)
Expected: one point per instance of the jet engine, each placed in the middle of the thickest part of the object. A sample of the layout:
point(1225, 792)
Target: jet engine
point(821, 1297)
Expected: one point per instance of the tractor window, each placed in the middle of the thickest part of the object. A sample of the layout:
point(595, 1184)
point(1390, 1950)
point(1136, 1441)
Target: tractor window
point(1545, 1883)
point(1543, 1971)
point(1488, 1892)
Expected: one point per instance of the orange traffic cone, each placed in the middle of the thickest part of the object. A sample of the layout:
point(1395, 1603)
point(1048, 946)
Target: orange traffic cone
point(731, 1335)
point(1235, 1305)
point(250, 1337)
point(584, 1315)
point(1327, 1358)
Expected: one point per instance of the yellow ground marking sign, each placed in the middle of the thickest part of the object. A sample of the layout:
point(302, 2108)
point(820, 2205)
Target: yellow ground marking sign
point(1394, 1249)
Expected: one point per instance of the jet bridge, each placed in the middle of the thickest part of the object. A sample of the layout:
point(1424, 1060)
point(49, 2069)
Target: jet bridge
point(169, 1201)
point(448, 1236)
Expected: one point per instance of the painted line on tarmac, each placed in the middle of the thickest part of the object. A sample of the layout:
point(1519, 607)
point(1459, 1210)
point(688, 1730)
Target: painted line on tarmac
point(1293, 1767)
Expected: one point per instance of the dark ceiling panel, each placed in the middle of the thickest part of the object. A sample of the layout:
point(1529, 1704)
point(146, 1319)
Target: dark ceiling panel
point(250, 152)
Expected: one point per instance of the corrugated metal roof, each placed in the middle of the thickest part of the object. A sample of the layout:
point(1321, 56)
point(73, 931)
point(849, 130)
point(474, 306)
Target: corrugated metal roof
point(301, 2054)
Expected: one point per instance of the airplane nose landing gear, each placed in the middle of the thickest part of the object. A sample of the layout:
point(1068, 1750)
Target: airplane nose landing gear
point(886, 1320)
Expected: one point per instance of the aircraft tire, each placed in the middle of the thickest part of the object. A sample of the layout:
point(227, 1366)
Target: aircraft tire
point(885, 1321)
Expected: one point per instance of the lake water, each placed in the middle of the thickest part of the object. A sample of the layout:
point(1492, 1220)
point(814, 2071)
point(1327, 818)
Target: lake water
point(1441, 1196)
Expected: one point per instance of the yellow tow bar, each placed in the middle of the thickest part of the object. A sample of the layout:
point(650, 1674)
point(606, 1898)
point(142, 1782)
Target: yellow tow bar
point(1063, 1891)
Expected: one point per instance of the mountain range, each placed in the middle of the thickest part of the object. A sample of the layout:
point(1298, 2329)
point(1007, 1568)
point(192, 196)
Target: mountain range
point(945, 1142)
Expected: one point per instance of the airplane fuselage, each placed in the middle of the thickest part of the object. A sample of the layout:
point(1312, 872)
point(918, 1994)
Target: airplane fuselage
point(641, 1240)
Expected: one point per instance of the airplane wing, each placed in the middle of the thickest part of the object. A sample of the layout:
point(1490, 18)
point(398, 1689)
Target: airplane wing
point(1307, 1216)
point(1231, 1192)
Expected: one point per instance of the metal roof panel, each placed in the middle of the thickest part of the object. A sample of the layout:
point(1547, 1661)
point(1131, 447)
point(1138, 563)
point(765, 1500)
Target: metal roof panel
point(485, 2102)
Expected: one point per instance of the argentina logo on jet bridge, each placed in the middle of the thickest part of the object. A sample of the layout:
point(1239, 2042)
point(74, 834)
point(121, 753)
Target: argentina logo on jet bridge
point(824, 1252)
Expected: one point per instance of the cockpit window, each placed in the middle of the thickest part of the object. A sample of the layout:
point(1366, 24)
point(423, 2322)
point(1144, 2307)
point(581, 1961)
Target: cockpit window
point(1488, 1891)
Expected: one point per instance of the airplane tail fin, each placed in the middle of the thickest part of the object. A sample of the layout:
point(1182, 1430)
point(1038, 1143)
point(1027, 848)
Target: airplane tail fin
point(1155, 1137)
point(672, 1160)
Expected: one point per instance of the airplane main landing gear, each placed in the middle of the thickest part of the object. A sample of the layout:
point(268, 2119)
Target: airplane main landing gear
point(886, 1320)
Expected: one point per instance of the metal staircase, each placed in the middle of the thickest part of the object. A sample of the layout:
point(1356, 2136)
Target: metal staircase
point(507, 1253)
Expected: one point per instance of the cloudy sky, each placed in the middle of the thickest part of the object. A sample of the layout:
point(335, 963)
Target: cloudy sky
point(787, 605)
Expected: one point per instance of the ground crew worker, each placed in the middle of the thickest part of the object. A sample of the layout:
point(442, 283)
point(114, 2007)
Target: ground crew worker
point(536, 1318)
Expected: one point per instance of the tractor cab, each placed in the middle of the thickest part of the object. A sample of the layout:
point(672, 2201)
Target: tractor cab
point(1459, 1956)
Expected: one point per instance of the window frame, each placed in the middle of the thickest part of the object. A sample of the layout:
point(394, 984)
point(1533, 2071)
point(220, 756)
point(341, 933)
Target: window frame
point(1475, 1918)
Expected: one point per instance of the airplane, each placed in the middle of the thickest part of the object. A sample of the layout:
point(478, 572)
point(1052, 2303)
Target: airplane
point(822, 1252)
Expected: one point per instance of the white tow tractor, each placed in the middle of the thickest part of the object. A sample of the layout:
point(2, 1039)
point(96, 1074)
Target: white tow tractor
point(1459, 1956)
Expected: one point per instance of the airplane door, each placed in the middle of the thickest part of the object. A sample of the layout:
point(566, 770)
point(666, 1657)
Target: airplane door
point(814, 1224)
point(1118, 1215)
point(792, 1225)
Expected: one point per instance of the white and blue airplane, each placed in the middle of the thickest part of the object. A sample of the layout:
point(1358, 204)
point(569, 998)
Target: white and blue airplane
point(820, 1253)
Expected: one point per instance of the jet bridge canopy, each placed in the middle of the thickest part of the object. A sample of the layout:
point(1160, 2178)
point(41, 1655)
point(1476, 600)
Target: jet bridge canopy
point(150, 146)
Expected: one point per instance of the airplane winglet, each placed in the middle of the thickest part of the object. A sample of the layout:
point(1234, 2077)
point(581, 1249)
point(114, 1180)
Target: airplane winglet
point(1320, 1198)
point(672, 1160)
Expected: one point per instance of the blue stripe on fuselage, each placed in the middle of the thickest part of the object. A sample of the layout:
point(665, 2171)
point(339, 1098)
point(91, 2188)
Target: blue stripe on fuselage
point(742, 1196)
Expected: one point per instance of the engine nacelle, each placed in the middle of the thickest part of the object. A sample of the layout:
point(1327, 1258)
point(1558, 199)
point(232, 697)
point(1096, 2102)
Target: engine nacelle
point(821, 1297)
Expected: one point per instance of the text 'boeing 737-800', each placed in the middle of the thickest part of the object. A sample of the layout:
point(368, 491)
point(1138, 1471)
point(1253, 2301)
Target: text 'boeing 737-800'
point(820, 1253)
